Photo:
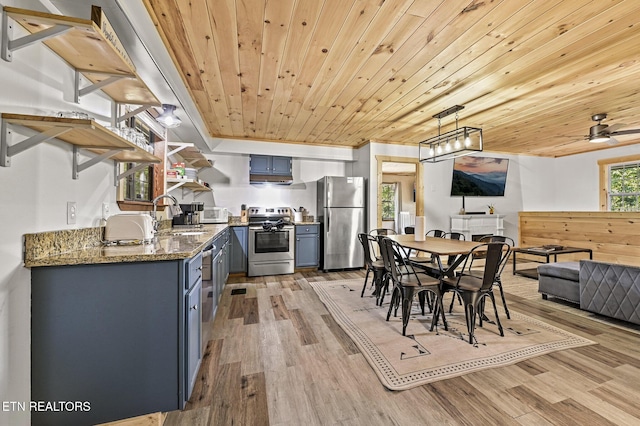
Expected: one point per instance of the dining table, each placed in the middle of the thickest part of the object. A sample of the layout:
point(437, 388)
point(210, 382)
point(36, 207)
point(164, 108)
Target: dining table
point(439, 247)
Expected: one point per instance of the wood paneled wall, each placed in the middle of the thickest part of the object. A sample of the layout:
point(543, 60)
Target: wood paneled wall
point(613, 236)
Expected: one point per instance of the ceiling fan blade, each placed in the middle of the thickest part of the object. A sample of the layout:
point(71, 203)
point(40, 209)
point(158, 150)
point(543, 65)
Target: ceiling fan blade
point(613, 141)
point(615, 127)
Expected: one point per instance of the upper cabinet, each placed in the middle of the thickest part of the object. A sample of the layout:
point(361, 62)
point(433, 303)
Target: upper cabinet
point(267, 169)
point(89, 46)
point(270, 165)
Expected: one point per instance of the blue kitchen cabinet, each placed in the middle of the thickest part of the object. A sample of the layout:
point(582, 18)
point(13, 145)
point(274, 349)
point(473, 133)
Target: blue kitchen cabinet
point(126, 337)
point(307, 246)
point(281, 166)
point(270, 165)
point(238, 249)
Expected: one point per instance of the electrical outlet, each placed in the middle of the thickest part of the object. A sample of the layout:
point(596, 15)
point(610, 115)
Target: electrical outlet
point(105, 210)
point(72, 212)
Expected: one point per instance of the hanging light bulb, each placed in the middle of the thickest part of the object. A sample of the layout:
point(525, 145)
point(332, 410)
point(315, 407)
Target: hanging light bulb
point(447, 146)
point(456, 144)
point(439, 149)
point(467, 140)
point(431, 151)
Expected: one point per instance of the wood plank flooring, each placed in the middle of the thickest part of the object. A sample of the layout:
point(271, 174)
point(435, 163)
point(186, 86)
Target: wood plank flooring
point(274, 356)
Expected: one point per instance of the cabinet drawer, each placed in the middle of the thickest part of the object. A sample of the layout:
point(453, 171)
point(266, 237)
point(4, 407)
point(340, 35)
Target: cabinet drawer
point(194, 271)
point(306, 229)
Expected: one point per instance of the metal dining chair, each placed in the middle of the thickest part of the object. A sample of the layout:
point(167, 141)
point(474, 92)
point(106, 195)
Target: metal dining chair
point(498, 281)
point(372, 264)
point(472, 289)
point(407, 283)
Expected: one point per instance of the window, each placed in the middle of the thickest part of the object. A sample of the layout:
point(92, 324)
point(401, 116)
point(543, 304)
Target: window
point(624, 187)
point(389, 201)
point(137, 190)
point(139, 185)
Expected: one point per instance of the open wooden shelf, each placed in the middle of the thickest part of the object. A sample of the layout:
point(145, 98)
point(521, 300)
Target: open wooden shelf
point(186, 183)
point(189, 153)
point(91, 48)
point(86, 134)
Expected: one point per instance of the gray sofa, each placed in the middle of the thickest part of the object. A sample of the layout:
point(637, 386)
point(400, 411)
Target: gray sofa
point(560, 279)
point(604, 288)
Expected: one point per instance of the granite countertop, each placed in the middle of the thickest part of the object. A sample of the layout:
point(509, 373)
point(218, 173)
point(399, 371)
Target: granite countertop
point(167, 245)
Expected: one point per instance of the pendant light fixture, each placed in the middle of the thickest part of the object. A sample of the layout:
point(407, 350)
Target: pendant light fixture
point(168, 118)
point(455, 143)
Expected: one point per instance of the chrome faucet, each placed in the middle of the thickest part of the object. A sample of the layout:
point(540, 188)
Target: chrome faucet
point(155, 208)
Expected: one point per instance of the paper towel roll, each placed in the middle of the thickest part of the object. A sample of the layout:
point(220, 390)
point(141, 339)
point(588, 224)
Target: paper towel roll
point(420, 228)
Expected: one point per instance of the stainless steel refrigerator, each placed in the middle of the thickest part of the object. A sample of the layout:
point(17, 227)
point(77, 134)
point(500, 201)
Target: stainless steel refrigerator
point(342, 216)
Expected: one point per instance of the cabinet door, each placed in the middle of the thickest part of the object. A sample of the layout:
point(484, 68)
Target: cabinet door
point(260, 164)
point(281, 165)
point(193, 334)
point(307, 250)
point(238, 249)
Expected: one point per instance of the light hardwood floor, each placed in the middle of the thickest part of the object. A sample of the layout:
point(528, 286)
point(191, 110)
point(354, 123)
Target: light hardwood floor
point(274, 356)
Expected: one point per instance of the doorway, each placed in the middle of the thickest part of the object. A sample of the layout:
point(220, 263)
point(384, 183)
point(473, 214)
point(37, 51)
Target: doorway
point(407, 174)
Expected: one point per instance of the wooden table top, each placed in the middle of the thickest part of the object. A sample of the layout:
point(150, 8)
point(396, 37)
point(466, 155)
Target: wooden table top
point(439, 246)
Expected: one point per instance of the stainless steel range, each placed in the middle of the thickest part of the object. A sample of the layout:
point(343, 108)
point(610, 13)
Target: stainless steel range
point(271, 241)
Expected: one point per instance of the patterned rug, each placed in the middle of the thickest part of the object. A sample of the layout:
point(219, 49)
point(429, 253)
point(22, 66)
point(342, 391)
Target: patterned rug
point(423, 356)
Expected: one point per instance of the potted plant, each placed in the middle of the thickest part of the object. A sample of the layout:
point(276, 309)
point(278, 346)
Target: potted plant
point(492, 208)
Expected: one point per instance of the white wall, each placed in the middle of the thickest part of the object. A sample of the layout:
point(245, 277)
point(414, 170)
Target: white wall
point(34, 192)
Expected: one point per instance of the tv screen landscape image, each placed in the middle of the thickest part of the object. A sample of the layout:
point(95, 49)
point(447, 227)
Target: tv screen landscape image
point(479, 176)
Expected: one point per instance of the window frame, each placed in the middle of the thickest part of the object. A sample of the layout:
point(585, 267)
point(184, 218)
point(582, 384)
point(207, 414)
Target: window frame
point(605, 166)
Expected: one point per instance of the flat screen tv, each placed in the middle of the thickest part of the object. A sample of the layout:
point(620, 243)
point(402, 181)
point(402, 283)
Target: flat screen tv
point(479, 176)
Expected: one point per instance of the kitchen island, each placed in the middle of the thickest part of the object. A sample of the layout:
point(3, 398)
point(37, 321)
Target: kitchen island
point(117, 328)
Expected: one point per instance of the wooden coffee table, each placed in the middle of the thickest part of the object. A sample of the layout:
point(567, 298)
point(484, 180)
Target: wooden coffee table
point(546, 253)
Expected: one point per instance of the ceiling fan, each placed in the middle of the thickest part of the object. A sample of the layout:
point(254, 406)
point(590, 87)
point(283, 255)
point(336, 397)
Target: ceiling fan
point(605, 133)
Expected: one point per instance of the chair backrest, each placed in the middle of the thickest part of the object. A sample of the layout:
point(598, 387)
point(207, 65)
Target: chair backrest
point(497, 239)
point(382, 231)
point(454, 236)
point(367, 241)
point(409, 230)
point(393, 258)
point(435, 233)
point(497, 253)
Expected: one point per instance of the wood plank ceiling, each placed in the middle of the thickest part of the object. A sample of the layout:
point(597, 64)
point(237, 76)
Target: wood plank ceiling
point(346, 72)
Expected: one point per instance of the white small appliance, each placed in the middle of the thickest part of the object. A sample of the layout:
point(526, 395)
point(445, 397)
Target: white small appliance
point(214, 215)
point(126, 228)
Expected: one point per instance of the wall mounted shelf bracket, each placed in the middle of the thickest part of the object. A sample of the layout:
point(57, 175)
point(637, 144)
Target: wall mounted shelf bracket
point(8, 45)
point(119, 176)
point(78, 92)
point(78, 167)
point(7, 151)
point(117, 119)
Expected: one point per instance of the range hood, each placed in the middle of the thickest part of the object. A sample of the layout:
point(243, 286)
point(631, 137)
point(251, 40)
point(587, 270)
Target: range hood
point(262, 179)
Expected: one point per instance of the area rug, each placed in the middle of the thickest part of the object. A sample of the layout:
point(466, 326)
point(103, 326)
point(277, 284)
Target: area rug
point(420, 357)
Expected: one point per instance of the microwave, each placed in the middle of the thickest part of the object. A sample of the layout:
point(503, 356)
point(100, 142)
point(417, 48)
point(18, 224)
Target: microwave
point(214, 215)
